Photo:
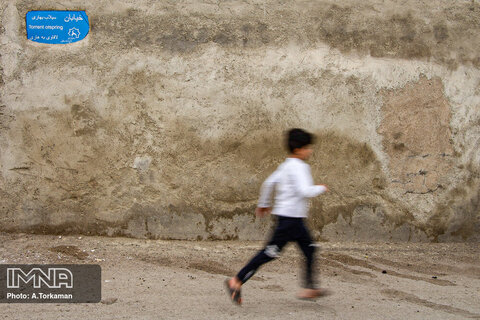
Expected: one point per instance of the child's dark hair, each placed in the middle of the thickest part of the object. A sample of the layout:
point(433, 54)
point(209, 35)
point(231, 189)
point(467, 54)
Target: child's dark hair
point(298, 138)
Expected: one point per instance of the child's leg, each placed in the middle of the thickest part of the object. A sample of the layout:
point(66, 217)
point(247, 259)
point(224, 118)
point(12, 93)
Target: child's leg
point(271, 251)
point(308, 248)
point(261, 258)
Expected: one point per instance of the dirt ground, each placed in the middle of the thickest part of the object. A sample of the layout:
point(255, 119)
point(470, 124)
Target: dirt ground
point(154, 279)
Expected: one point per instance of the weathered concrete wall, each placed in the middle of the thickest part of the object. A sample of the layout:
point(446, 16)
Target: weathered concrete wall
point(166, 119)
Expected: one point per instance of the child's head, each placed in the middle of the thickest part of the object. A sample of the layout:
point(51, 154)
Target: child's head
point(299, 143)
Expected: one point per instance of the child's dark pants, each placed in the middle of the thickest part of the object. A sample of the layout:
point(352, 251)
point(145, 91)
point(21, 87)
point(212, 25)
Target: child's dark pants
point(288, 229)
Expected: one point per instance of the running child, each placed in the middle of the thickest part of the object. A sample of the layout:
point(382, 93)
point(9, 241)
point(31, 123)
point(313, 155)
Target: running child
point(293, 185)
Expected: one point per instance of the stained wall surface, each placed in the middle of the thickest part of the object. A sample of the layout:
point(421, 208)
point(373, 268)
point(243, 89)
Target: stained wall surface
point(166, 119)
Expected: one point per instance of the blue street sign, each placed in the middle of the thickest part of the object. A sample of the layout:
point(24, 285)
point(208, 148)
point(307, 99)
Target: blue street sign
point(57, 26)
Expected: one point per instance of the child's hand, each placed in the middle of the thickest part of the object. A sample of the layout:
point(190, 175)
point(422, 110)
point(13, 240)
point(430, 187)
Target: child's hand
point(261, 212)
point(324, 186)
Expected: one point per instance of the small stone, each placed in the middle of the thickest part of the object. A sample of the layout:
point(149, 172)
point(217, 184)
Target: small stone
point(109, 301)
point(384, 271)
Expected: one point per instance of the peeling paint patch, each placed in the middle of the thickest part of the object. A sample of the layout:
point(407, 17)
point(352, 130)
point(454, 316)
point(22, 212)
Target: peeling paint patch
point(417, 136)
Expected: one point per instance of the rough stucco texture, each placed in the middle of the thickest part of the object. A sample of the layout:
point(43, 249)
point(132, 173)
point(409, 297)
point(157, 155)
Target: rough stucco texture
point(166, 119)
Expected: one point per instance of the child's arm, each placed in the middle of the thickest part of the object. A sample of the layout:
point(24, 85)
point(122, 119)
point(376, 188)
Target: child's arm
point(305, 186)
point(264, 204)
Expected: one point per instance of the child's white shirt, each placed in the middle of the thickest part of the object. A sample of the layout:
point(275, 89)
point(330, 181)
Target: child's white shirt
point(294, 184)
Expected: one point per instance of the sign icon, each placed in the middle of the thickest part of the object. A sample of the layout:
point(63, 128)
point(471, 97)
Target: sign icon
point(74, 33)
